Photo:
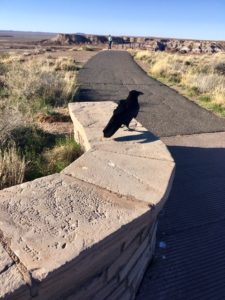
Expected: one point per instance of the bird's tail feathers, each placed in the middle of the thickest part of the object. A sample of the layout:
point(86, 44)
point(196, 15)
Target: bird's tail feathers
point(111, 128)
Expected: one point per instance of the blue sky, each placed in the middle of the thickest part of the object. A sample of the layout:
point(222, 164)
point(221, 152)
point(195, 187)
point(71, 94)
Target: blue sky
point(164, 18)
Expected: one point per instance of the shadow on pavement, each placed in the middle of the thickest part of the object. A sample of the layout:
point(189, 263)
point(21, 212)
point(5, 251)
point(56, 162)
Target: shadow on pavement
point(191, 263)
point(143, 137)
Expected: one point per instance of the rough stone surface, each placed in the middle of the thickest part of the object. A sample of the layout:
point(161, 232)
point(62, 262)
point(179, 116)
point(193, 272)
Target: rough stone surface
point(131, 163)
point(145, 180)
point(53, 219)
point(5, 261)
point(12, 286)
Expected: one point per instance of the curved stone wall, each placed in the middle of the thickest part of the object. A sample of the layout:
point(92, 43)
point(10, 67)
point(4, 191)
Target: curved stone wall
point(89, 232)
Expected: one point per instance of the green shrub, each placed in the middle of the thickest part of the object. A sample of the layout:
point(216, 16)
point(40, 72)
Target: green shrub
point(32, 139)
point(62, 154)
point(31, 142)
point(43, 153)
point(205, 98)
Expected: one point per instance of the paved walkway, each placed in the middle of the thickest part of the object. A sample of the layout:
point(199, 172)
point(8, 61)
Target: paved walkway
point(192, 225)
point(111, 74)
point(190, 259)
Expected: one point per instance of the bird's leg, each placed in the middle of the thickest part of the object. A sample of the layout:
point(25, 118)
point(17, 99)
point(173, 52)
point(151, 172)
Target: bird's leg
point(134, 127)
point(129, 129)
point(122, 126)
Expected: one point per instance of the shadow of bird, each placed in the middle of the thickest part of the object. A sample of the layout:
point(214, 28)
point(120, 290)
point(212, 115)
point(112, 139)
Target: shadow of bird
point(123, 114)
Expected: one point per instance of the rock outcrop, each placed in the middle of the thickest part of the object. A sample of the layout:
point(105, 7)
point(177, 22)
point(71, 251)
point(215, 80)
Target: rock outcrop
point(150, 43)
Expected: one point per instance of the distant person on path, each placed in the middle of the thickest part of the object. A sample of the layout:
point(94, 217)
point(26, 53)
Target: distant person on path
point(110, 41)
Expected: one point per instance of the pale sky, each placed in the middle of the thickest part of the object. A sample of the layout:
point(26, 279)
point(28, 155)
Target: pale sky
point(163, 18)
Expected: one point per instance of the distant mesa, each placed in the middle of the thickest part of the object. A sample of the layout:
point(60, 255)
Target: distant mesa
point(148, 43)
point(5, 36)
point(70, 39)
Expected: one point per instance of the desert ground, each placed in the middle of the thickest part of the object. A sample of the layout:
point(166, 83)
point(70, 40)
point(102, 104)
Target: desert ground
point(36, 83)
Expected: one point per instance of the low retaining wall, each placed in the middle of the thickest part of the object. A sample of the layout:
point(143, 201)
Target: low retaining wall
point(89, 232)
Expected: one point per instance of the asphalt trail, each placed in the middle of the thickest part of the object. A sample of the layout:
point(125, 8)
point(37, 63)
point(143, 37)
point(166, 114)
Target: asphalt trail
point(190, 263)
point(110, 75)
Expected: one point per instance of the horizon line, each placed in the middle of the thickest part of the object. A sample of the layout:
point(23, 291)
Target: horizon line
point(117, 35)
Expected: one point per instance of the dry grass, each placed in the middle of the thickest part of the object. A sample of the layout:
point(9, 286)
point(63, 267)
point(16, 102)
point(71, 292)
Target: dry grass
point(12, 167)
point(87, 48)
point(10, 118)
point(198, 76)
point(30, 87)
point(63, 154)
point(38, 82)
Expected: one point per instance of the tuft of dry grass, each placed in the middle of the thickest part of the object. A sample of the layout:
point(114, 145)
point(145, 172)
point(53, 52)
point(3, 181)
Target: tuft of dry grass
point(199, 76)
point(62, 154)
point(12, 167)
point(86, 48)
point(10, 118)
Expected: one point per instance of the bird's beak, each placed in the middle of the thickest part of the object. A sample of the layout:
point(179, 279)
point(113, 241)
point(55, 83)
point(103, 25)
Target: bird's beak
point(140, 93)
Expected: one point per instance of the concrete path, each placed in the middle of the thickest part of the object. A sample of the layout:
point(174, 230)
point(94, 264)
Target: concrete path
point(190, 260)
point(111, 74)
point(192, 225)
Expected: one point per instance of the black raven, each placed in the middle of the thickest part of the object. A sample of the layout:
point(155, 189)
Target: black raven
point(123, 114)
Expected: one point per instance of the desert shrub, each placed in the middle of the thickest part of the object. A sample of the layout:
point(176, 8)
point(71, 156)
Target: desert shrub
point(28, 84)
point(39, 83)
point(86, 48)
point(2, 84)
point(143, 55)
point(205, 98)
point(31, 142)
point(52, 116)
point(192, 91)
point(4, 56)
point(62, 154)
point(66, 64)
point(164, 65)
point(202, 82)
point(12, 167)
point(10, 118)
point(219, 94)
point(43, 153)
point(32, 139)
point(220, 68)
point(3, 68)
